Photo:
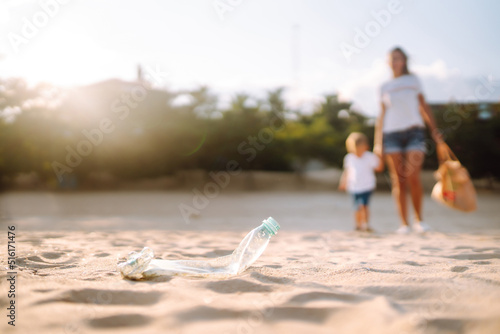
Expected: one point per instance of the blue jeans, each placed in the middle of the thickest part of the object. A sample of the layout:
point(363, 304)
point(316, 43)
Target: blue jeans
point(412, 139)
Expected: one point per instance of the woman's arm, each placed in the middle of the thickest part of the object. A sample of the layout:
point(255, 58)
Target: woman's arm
point(379, 124)
point(428, 117)
point(380, 166)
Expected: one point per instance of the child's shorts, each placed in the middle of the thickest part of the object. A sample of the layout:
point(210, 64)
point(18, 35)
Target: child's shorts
point(361, 198)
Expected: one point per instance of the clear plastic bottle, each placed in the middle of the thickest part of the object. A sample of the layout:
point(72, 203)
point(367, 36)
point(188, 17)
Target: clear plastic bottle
point(142, 265)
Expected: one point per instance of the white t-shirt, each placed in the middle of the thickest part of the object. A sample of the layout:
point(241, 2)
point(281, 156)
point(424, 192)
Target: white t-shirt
point(361, 172)
point(400, 97)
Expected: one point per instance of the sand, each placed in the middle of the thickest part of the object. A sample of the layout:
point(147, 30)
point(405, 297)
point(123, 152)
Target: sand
point(316, 276)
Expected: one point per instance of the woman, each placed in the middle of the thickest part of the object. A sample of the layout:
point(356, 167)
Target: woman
point(400, 137)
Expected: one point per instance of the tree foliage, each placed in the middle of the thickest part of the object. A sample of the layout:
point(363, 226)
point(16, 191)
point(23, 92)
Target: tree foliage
point(130, 130)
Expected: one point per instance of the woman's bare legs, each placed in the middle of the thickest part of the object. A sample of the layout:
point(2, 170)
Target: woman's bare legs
point(396, 164)
point(366, 214)
point(414, 161)
point(359, 218)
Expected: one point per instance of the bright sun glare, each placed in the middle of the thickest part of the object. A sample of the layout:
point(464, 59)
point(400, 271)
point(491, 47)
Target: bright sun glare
point(62, 57)
point(65, 59)
point(4, 15)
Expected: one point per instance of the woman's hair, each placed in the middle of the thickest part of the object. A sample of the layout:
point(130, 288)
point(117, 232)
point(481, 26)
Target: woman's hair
point(405, 57)
point(354, 140)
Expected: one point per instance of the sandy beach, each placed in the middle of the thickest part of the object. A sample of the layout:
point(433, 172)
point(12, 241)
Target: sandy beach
point(316, 276)
point(223, 135)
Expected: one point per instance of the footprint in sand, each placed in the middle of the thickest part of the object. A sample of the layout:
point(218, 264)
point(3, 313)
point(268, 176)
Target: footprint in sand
point(413, 263)
point(459, 269)
point(105, 297)
point(471, 256)
point(122, 320)
point(273, 266)
point(271, 279)
point(307, 297)
point(398, 292)
point(431, 248)
point(47, 260)
point(270, 314)
point(52, 255)
point(447, 325)
point(237, 285)
point(101, 254)
point(310, 314)
point(203, 313)
point(463, 247)
point(480, 250)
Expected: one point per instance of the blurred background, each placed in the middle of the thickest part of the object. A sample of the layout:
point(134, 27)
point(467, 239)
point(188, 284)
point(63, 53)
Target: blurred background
point(122, 95)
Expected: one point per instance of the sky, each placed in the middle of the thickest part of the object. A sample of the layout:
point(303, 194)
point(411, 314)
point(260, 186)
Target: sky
point(311, 48)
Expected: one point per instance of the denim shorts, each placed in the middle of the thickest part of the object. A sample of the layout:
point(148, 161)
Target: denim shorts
point(412, 139)
point(361, 198)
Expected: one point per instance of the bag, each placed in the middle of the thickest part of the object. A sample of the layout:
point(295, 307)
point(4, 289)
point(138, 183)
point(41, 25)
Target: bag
point(454, 187)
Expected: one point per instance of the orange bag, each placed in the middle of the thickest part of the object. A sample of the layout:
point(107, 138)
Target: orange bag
point(454, 187)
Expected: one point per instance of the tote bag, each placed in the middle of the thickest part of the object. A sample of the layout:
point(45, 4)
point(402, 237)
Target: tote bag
point(454, 187)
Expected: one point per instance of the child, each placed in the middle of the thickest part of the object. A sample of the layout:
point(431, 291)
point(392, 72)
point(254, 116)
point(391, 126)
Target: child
point(358, 177)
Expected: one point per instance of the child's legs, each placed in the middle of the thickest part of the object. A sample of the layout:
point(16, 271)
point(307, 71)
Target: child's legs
point(358, 211)
point(361, 201)
point(366, 200)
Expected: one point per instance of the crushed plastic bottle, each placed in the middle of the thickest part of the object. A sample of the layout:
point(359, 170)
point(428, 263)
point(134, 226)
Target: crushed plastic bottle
point(142, 265)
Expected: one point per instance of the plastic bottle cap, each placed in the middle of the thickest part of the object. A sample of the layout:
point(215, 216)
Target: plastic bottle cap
point(271, 225)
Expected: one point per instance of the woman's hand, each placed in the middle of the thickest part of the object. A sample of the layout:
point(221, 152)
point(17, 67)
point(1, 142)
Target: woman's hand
point(378, 150)
point(380, 167)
